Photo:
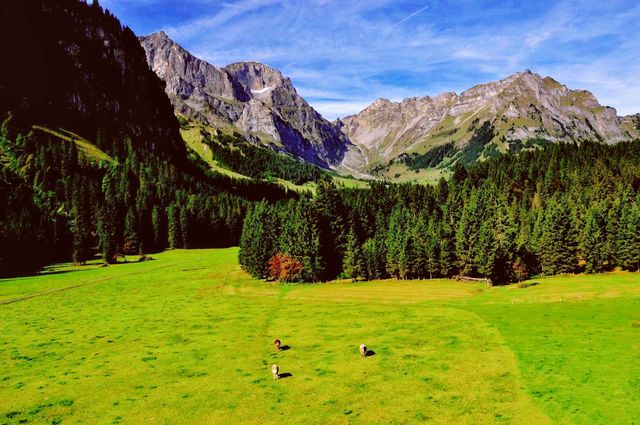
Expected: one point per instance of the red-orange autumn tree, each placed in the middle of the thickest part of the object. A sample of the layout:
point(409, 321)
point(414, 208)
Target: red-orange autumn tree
point(285, 268)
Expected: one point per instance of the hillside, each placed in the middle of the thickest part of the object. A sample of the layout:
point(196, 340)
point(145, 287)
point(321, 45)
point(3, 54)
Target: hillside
point(246, 97)
point(91, 156)
point(405, 140)
point(518, 112)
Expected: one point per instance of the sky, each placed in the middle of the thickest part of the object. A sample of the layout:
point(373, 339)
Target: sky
point(341, 55)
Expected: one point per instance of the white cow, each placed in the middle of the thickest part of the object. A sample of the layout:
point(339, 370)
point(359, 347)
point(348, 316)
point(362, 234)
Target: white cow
point(276, 371)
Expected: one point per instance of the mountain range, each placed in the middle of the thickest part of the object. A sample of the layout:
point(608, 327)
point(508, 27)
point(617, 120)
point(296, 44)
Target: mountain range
point(519, 112)
point(248, 97)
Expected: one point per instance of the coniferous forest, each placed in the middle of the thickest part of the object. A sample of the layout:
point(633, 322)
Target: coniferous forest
point(91, 158)
point(564, 209)
point(92, 164)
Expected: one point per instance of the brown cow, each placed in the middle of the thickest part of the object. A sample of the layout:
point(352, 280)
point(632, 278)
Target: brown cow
point(277, 343)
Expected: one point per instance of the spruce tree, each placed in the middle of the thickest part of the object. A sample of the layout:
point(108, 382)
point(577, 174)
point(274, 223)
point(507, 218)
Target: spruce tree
point(432, 251)
point(107, 220)
point(352, 265)
point(558, 243)
point(396, 243)
point(80, 222)
point(370, 261)
point(131, 237)
point(330, 219)
point(173, 227)
point(484, 259)
point(628, 241)
point(467, 232)
point(594, 241)
point(447, 251)
point(257, 244)
point(185, 229)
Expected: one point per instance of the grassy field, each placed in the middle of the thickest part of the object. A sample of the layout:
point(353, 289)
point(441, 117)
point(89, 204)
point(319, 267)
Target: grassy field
point(187, 338)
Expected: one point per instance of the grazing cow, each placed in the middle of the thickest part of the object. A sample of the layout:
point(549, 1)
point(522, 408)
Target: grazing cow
point(276, 371)
point(363, 350)
point(277, 344)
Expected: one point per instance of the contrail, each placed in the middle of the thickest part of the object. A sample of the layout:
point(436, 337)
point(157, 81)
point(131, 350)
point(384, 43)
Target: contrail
point(417, 12)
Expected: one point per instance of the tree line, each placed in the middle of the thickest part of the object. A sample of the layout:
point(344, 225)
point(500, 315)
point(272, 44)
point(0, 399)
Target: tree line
point(235, 153)
point(564, 209)
point(58, 203)
point(131, 187)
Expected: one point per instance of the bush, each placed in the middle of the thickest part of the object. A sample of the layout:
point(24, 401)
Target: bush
point(285, 268)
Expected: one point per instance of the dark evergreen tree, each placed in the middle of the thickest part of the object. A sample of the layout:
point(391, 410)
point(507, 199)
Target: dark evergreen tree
point(558, 243)
point(628, 241)
point(594, 241)
point(353, 264)
point(257, 244)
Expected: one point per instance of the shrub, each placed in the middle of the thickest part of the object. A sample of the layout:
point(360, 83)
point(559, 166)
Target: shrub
point(285, 268)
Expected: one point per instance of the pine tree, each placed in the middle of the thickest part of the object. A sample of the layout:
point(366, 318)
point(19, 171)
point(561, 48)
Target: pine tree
point(484, 259)
point(628, 241)
point(467, 232)
point(107, 220)
point(300, 237)
point(330, 224)
point(158, 226)
point(185, 227)
point(80, 222)
point(432, 249)
point(594, 241)
point(257, 244)
point(370, 261)
point(173, 227)
point(397, 245)
point(352, 265)
point(420, 236)
point(131, 243)
point(447, 252)
point(558, 243)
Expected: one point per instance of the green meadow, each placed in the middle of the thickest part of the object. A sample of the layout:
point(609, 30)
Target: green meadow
point(188, 338)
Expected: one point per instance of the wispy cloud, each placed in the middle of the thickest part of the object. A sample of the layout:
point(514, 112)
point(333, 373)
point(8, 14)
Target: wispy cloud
point(406, 18)
point(342, 55)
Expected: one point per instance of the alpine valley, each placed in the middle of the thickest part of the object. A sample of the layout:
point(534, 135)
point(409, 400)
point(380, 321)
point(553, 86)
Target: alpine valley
point(405, 140)
point(188, 243)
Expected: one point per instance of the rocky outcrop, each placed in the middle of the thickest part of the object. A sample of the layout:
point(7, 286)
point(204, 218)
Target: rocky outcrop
point(521, 107)
point(517, 112)
point(248, 97)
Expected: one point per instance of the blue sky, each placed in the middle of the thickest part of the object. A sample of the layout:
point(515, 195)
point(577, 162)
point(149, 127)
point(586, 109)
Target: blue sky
point(341, 55)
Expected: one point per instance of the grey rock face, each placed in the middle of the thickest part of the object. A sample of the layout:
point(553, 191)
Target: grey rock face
point(521, 107)
point(247, 96)
point(262, 104)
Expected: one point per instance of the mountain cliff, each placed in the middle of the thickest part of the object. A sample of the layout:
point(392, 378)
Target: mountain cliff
point(91, 155)
point(519, 111)
point(247, 97)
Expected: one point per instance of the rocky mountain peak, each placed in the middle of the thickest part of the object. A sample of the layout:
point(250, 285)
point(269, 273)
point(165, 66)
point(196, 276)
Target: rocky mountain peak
point(256, 75)
point(522, 106)
point(247, 97)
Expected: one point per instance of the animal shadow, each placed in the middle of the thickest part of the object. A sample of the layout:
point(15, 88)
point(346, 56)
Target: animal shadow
point(284, 375)
point(370, 353)
point(284, 348)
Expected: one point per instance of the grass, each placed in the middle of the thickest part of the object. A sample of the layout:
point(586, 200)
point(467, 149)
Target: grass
point(192, 135)
point(87, 148)
point(187, 338)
